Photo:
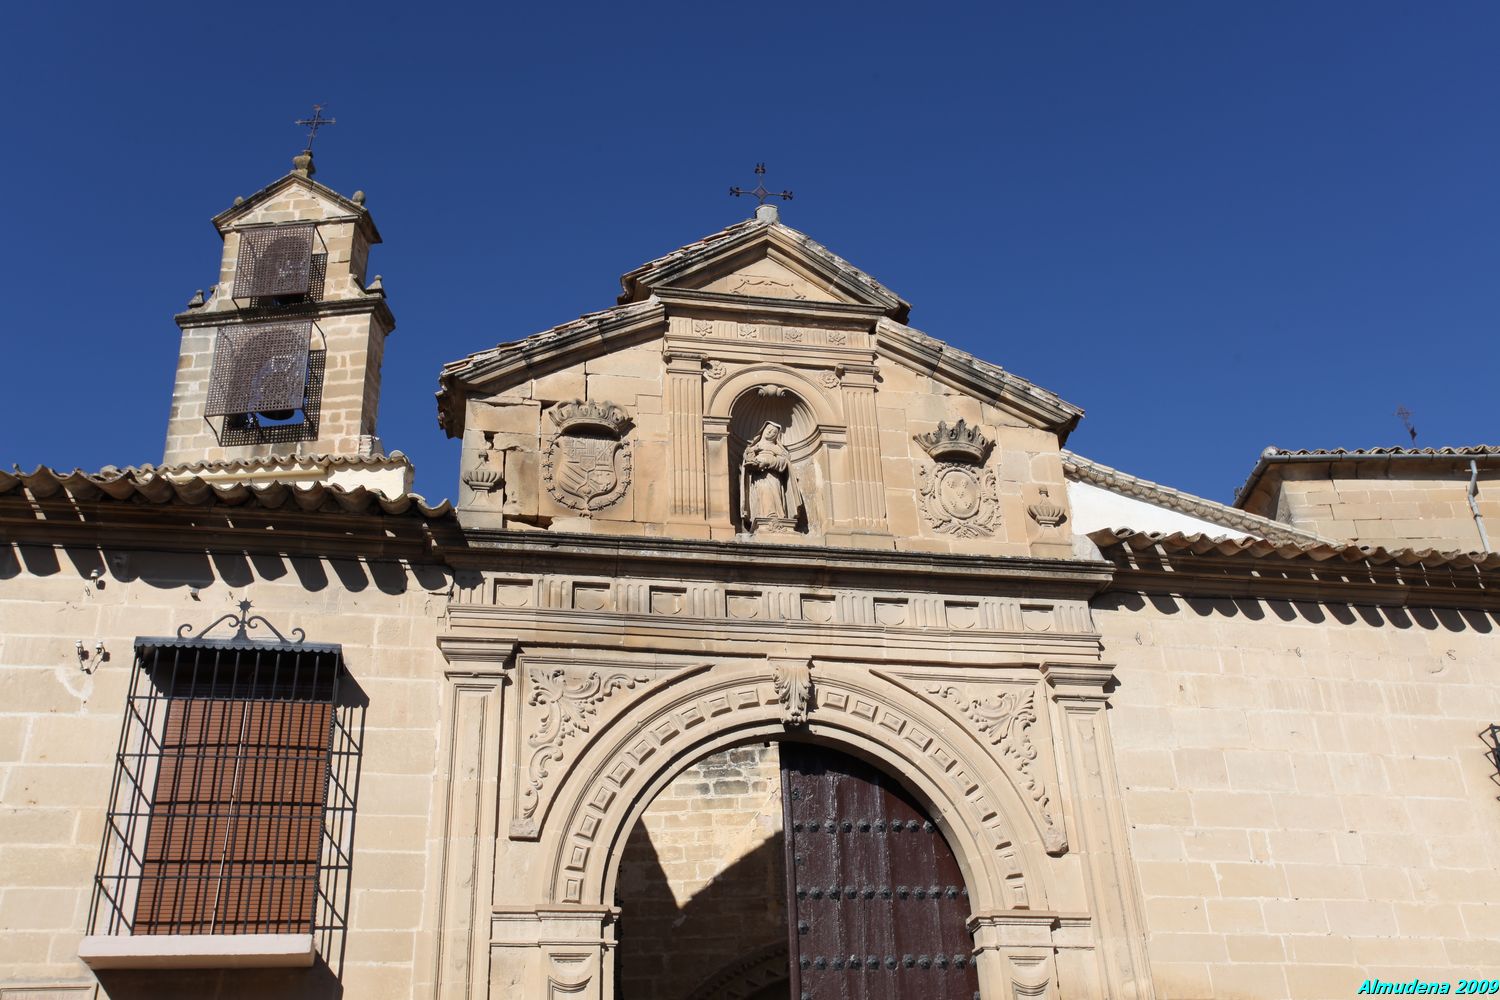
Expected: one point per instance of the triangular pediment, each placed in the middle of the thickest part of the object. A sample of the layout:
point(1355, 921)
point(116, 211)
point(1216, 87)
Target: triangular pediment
point(762, 258)
point(759, 296)
point(768, 277)
point(295, 196)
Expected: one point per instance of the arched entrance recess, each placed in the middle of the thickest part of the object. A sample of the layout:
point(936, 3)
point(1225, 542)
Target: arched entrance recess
point(855, 710)
point(829, 880)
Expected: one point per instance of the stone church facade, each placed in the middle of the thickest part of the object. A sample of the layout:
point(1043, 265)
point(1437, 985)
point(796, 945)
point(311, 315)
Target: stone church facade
point(772, 648)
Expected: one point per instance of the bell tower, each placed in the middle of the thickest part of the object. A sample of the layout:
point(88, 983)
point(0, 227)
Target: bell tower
point(279, 372)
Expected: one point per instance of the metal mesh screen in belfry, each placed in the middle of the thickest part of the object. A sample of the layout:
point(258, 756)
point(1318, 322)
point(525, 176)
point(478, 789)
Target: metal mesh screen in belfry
point(259, 368)
point(276, 260)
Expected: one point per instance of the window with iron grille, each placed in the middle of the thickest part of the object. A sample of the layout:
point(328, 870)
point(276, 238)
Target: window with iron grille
point(232, 806)
point(276, 263)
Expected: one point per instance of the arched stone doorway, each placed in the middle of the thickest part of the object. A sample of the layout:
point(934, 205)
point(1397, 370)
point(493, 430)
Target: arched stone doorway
point(790, 869)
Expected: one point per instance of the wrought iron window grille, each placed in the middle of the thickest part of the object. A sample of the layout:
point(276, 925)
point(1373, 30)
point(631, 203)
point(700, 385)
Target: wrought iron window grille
point(1492, 747)
point(278, 265)
point(236, 779)
point(266, 383)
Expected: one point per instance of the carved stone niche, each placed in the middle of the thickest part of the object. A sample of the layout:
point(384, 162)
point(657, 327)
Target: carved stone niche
point(959, 496)
point(587, 462)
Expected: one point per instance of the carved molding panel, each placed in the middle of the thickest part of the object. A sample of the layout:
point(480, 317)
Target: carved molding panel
point(562, 703)
point(1005, 720)
point(708, 704)
point(774, 605)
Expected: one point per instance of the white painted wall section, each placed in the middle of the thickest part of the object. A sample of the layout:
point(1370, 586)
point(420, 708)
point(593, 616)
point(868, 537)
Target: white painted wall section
point(1094, 507)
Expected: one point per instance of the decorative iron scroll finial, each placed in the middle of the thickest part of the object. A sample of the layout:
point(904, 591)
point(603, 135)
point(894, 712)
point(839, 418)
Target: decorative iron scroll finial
point(242, 621)
point(759, 191)
point(314, 123)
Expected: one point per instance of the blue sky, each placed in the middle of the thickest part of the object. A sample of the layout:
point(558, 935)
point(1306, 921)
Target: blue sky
point(1215, 227)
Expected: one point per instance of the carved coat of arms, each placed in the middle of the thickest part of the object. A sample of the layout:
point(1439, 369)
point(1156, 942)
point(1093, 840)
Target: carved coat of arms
point(959, 495)
point(587, 464)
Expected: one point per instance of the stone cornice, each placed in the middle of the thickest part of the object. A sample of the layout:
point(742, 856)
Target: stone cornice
point(791, 310)
point(646, 556)
point(541, 353)
point(372, 304)
point(966, 373)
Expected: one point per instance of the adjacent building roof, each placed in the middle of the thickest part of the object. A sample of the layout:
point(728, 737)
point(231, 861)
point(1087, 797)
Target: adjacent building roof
point(1081, 469)
point(1262, 549)
point(1273, 456)
point(153, 486)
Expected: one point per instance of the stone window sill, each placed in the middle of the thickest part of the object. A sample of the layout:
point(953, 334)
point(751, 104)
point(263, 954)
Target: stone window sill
point(197, 951)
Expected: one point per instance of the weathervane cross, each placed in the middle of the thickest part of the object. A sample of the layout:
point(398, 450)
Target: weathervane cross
point(759, 191)
point(314, 123)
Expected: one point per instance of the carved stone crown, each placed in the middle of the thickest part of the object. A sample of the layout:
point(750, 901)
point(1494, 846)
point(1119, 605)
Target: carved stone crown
point(959, 443)
point(589, 414)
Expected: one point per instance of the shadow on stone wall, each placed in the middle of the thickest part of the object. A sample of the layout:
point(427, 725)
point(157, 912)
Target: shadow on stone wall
point(316, 983)
point(728, 940)
point(1306, 612)
point(169, 570)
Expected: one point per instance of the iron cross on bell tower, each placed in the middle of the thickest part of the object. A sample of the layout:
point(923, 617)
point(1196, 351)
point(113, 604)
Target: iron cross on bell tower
point(759, 191)
point(314, 123)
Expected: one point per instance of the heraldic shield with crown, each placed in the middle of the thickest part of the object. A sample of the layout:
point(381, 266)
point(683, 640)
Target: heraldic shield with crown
point(587, 466)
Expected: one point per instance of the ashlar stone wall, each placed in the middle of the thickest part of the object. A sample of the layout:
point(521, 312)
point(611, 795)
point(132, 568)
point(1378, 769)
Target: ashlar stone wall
point(865, 479)
point(60, 723)
point(1307, 793)
point(1398, 509)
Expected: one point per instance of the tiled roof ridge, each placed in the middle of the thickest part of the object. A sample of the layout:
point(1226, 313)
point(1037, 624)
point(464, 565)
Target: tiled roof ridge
point(1445, 451)
point(986, 368)
point(584, 322)
point(688, 250)
point(1199, 544)
point(259, 461)
point(630, 279)
point(152, 486)
point(1075, 466)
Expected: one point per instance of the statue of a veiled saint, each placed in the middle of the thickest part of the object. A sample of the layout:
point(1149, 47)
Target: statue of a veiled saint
point(770, 499)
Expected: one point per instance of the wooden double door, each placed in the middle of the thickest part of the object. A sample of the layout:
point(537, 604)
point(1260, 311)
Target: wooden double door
point(876, 904)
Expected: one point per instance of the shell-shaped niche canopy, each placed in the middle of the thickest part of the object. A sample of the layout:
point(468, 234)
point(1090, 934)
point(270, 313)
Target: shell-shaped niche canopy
point(772, 403)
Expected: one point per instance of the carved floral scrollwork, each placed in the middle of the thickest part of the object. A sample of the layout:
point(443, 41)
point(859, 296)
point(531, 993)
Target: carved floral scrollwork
point(1005, 720)
point(568, 705)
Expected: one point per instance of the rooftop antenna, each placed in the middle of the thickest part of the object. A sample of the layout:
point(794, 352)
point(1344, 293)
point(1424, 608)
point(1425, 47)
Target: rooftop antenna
point(1405, 416)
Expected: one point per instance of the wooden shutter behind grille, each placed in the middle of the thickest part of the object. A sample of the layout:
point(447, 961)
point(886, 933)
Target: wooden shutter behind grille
point(233, 841)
